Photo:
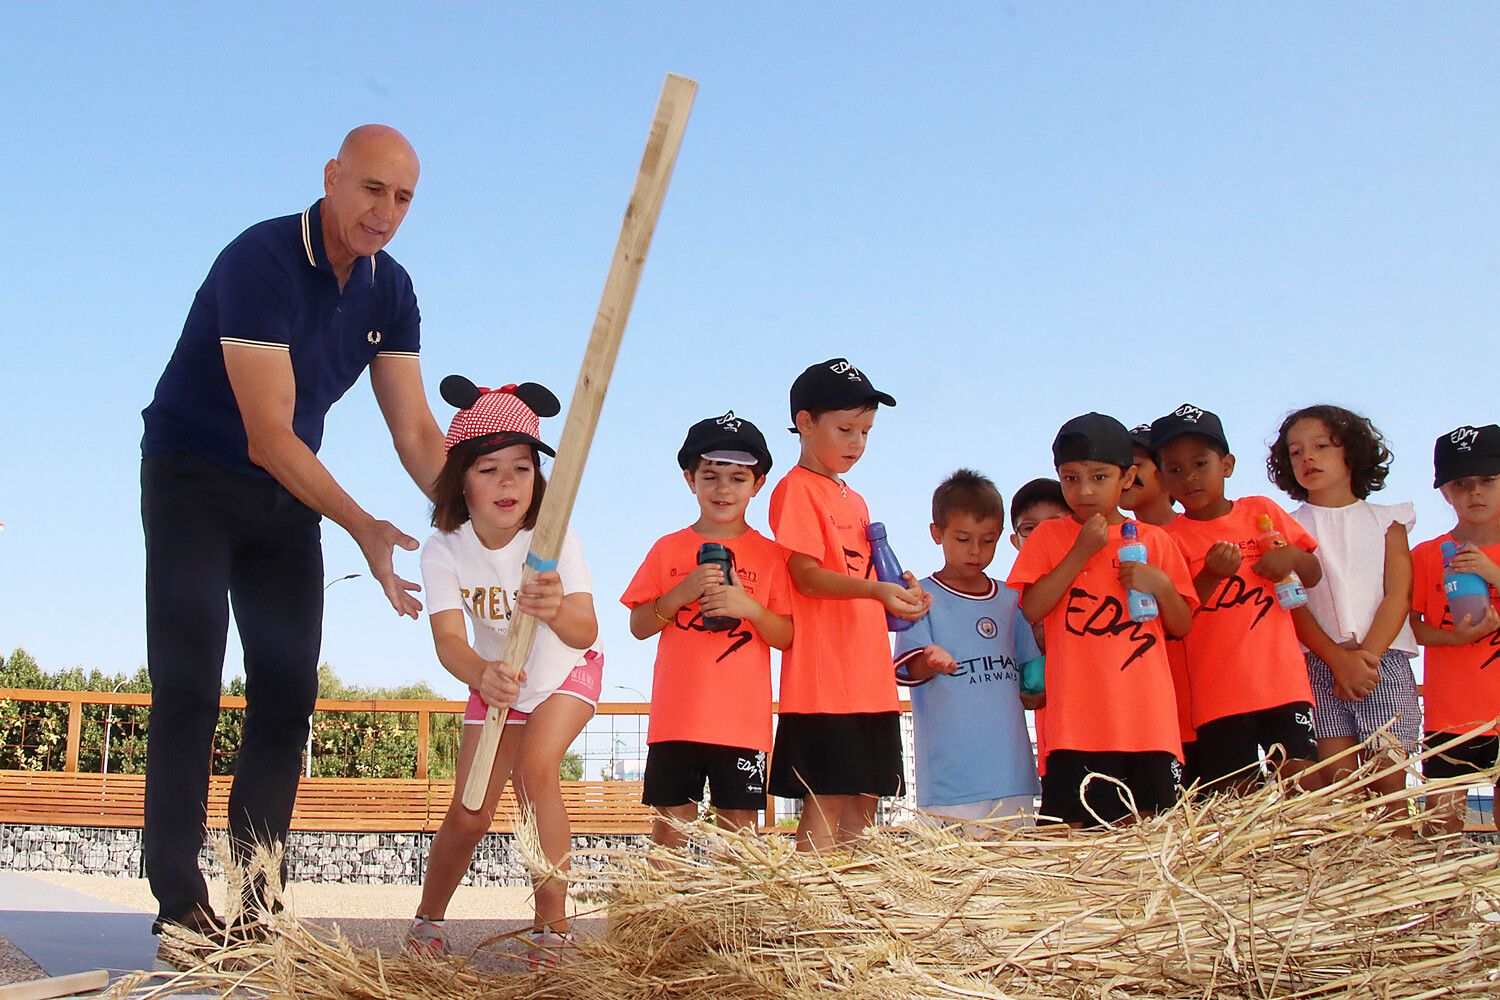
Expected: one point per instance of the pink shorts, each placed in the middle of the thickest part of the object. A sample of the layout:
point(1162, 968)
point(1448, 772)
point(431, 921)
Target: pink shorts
point(584, 683)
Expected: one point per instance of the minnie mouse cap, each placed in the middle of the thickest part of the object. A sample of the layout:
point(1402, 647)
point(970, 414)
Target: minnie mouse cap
point(510, 412)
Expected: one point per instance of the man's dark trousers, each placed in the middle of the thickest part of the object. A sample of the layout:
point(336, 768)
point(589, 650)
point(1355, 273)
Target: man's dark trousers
point(216, 538)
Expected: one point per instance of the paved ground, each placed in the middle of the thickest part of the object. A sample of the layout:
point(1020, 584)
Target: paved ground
point(54, 924)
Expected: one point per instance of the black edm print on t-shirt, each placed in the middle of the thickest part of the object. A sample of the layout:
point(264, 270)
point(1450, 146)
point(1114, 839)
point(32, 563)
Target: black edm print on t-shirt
point(1088, 614)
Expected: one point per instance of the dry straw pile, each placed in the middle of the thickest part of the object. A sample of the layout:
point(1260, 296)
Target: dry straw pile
point(1272, 895)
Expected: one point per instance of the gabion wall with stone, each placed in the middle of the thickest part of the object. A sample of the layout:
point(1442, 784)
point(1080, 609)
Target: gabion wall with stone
point(395, 858)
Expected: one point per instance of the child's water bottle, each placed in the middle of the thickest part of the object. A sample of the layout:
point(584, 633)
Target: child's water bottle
point(1141, 605)
point(1289, 590)
point(713, 552)
point(887, 570)
point(1467, 593)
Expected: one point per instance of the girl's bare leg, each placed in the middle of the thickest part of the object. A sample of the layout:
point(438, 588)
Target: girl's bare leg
point(453, 847)
point(553, 727)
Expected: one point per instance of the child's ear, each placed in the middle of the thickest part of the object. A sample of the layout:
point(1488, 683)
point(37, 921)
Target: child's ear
point(755, 486)
point(805, 422)
point(687, 474)
point(1228, 466)
point(937, 533)
point(1015, 540)
point(1127, 477)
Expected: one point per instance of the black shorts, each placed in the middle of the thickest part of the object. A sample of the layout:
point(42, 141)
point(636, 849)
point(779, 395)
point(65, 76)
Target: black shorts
point(677, 769)
point(1233, 745)
point(1153, 777)
point(825, 754)
point(1191, 772)
point(1474, 757)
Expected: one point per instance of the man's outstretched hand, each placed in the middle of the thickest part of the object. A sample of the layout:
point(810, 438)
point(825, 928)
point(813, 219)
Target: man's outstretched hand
point(378, 542)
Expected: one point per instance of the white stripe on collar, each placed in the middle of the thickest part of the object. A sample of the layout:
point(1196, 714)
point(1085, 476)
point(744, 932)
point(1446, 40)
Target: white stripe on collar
point(994, 589)
point(307, 238)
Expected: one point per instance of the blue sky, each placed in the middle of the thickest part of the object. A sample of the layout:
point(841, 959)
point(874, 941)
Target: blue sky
point(1006, 215)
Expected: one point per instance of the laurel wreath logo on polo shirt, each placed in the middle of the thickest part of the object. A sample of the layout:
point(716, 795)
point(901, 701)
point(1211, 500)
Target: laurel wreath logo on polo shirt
point(373, 336)
point(987, 628)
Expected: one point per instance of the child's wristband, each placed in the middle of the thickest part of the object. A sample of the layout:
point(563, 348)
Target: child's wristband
point(659, 616)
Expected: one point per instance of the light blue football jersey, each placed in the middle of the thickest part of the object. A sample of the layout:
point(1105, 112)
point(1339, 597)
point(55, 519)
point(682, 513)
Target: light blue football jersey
point(971, 737)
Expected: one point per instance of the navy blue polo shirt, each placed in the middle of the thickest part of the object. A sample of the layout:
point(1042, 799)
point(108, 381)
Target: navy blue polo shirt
point(273, 289)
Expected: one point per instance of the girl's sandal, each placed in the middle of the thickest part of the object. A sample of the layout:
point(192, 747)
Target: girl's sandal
point(546, 948)
point(426, 938)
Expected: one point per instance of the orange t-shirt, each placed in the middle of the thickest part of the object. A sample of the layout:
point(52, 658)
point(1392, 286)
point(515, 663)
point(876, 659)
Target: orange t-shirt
point(1109, 685)
point(840, 660)
point(1460, 684)
point(712, 687)
point(1242, 652)
point(1183, 685)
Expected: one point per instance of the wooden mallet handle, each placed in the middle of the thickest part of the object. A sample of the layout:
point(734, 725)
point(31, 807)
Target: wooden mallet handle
point(624, 276)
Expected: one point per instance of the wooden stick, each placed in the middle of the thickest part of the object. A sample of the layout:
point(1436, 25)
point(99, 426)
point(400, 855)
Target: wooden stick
point(58, 986)
point(662, 144)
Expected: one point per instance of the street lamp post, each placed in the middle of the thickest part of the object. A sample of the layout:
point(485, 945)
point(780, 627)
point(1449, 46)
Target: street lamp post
point(109, 721)
point(307, 771)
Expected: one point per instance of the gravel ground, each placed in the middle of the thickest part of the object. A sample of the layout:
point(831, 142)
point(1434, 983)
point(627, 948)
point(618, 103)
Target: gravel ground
point(15, 967)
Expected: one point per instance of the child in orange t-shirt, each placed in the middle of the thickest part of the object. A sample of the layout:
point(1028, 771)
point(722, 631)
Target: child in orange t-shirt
point(1150, 502)
point(838, 739)
point(711, 688)
point(1249, 682)
point(1462, 659)
point(1111, 707)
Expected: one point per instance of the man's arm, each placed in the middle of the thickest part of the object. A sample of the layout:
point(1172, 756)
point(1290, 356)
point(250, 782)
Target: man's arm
point(397, 381)
point(266, 391)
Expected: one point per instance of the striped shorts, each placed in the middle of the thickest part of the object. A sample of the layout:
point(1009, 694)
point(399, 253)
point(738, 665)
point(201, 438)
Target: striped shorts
point(1395, 697)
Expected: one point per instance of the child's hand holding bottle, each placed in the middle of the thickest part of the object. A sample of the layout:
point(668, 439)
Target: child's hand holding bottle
point(1471, 559)
point(689, 589)
point(1466, 631)
point(1278, 563)
point(720, 600)
point(910, 602)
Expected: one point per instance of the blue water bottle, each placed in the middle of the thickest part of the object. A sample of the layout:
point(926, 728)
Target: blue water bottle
point(1467, 593)
point(1141, 605)
point(887, 570)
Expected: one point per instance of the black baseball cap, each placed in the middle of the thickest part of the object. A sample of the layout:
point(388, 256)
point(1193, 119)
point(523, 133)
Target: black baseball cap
point(1093, 437)
point(1188, 419)
point(834, 384)
point(725, 439)
point(1140, 435)
point(1466, 451)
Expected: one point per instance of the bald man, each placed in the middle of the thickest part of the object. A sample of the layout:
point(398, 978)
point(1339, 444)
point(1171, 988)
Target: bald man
point(232, 493)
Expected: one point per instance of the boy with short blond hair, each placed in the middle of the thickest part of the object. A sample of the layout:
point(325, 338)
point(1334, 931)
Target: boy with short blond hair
point(1461, 663)
point(963, 665)
point(838, 737)
point(1110, 701)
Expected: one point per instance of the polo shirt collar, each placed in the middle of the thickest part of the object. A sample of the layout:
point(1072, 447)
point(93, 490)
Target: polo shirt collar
point(317, 257)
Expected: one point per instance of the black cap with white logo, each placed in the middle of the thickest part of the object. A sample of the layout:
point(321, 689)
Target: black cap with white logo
point(834, 384)
point(1093, 437)
point(1466, 451)
point(1188, 419)
point(729, 439)
point(1140, 435)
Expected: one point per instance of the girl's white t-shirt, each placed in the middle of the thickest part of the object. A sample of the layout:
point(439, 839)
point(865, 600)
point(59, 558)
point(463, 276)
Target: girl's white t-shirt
point(459, 572)
point(1351, 547)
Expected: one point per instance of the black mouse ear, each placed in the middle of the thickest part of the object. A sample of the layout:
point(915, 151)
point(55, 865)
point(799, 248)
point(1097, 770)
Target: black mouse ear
point(459, 391)
point(539, 398)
